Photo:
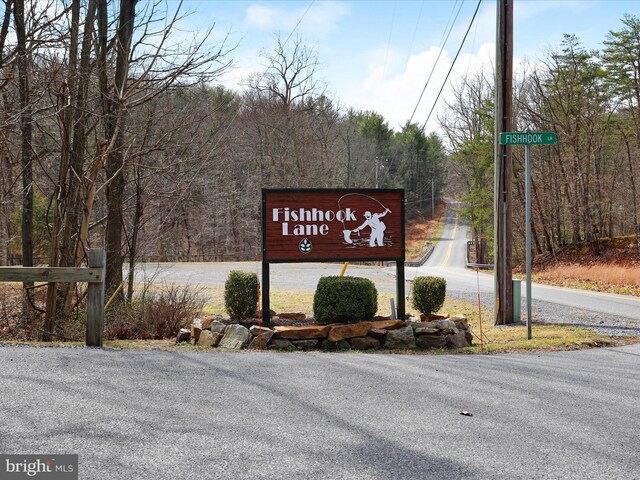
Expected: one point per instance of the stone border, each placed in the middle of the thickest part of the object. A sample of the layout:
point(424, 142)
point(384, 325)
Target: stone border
point(436, 332)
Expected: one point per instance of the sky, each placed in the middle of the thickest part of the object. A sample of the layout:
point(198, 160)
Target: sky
point(378, 55)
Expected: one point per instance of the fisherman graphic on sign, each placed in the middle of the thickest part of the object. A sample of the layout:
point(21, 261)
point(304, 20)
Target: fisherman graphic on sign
point(371, 220)
point(376, 239)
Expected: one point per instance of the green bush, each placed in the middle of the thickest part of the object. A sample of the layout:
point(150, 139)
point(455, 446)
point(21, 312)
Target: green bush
point(241, 294)
point(344, 300)
point(429, 293)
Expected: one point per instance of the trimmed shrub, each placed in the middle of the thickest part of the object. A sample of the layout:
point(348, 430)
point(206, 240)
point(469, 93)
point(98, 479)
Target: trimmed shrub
point(241, 294)
point(429, 293)
point(344, 300)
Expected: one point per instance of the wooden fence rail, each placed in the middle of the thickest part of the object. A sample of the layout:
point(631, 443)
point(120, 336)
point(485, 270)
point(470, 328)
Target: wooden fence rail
point(93, 275)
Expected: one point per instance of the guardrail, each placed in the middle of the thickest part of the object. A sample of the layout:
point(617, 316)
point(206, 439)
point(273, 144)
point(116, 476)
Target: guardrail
point(487, 266)
point(421, 261)
point(93, 275)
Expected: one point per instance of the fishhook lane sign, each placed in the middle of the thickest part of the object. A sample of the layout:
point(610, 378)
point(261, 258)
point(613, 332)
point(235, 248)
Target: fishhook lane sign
point(528, 138)
point(332, 224)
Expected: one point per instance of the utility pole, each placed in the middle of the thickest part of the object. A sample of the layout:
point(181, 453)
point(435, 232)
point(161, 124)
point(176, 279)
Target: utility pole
point(433, 200)
point(503, 166)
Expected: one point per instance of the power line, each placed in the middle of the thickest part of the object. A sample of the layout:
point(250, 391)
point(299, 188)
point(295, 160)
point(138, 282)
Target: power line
point(386, 55)
point(443, 43)
point(413, 39)
point(299, 22)
point(452, 65)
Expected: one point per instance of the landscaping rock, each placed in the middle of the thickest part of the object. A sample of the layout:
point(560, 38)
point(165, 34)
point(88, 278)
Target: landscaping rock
point(302, 333)
point(248, 322)
point(208, 339)
point(456, 340)
point(388, 324)
point(281, 344)
point(469, 336)
point(461, 322)
point(365, 343)
point(267, 333)
point(429, 342)
point(419, 328)
point(206, 322)
point(381, 318)
point(235, 337)
point(344, 332)
point(292, 315)
point(442, 324)
point(256, 330)
point(328, 346)
point(195, 332)
point(305, 344)
point(448, 331)
point(377, 333)
point(433, 316)
point(423, 325)
point(217, 327)
point(401, 339)
point(184, 335)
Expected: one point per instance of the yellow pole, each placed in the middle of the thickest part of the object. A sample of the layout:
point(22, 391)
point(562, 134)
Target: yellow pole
point(344, 268)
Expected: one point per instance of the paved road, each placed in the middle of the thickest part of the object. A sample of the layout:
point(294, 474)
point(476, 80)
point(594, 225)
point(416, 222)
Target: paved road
point(284, 276)
point(614, 313)
point(160, 415)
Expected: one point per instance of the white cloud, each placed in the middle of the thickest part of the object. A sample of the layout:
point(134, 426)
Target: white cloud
point(321, 19)
point(396, 97)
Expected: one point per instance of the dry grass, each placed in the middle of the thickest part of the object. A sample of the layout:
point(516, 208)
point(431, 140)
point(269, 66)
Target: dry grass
point(420, 229)
point(513, 338)
point(616, 269)
point(623, 279)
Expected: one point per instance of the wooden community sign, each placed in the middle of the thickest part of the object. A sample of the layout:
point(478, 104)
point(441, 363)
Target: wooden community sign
point(333, 225)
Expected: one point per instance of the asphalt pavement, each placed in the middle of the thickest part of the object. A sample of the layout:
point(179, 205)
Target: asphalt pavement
point(161, 415)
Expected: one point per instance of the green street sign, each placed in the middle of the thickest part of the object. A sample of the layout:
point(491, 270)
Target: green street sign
point(528, 138)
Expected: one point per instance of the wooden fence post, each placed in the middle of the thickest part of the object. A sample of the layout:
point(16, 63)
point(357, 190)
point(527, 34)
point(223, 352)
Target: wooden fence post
point(95, 301)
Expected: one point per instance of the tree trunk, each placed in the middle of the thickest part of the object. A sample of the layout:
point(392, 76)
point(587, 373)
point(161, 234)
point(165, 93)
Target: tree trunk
point(114, 166)
point(133, 244)
point(26, 114)
point(65, 117)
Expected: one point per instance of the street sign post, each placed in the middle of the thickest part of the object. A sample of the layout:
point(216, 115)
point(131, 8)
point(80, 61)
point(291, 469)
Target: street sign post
point(527, 139)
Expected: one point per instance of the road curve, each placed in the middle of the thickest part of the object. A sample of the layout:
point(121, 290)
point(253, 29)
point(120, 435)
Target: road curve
point(549, 303)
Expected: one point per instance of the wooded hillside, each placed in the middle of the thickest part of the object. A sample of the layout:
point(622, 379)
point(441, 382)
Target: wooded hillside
point(115, 132)
point(585, 187)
